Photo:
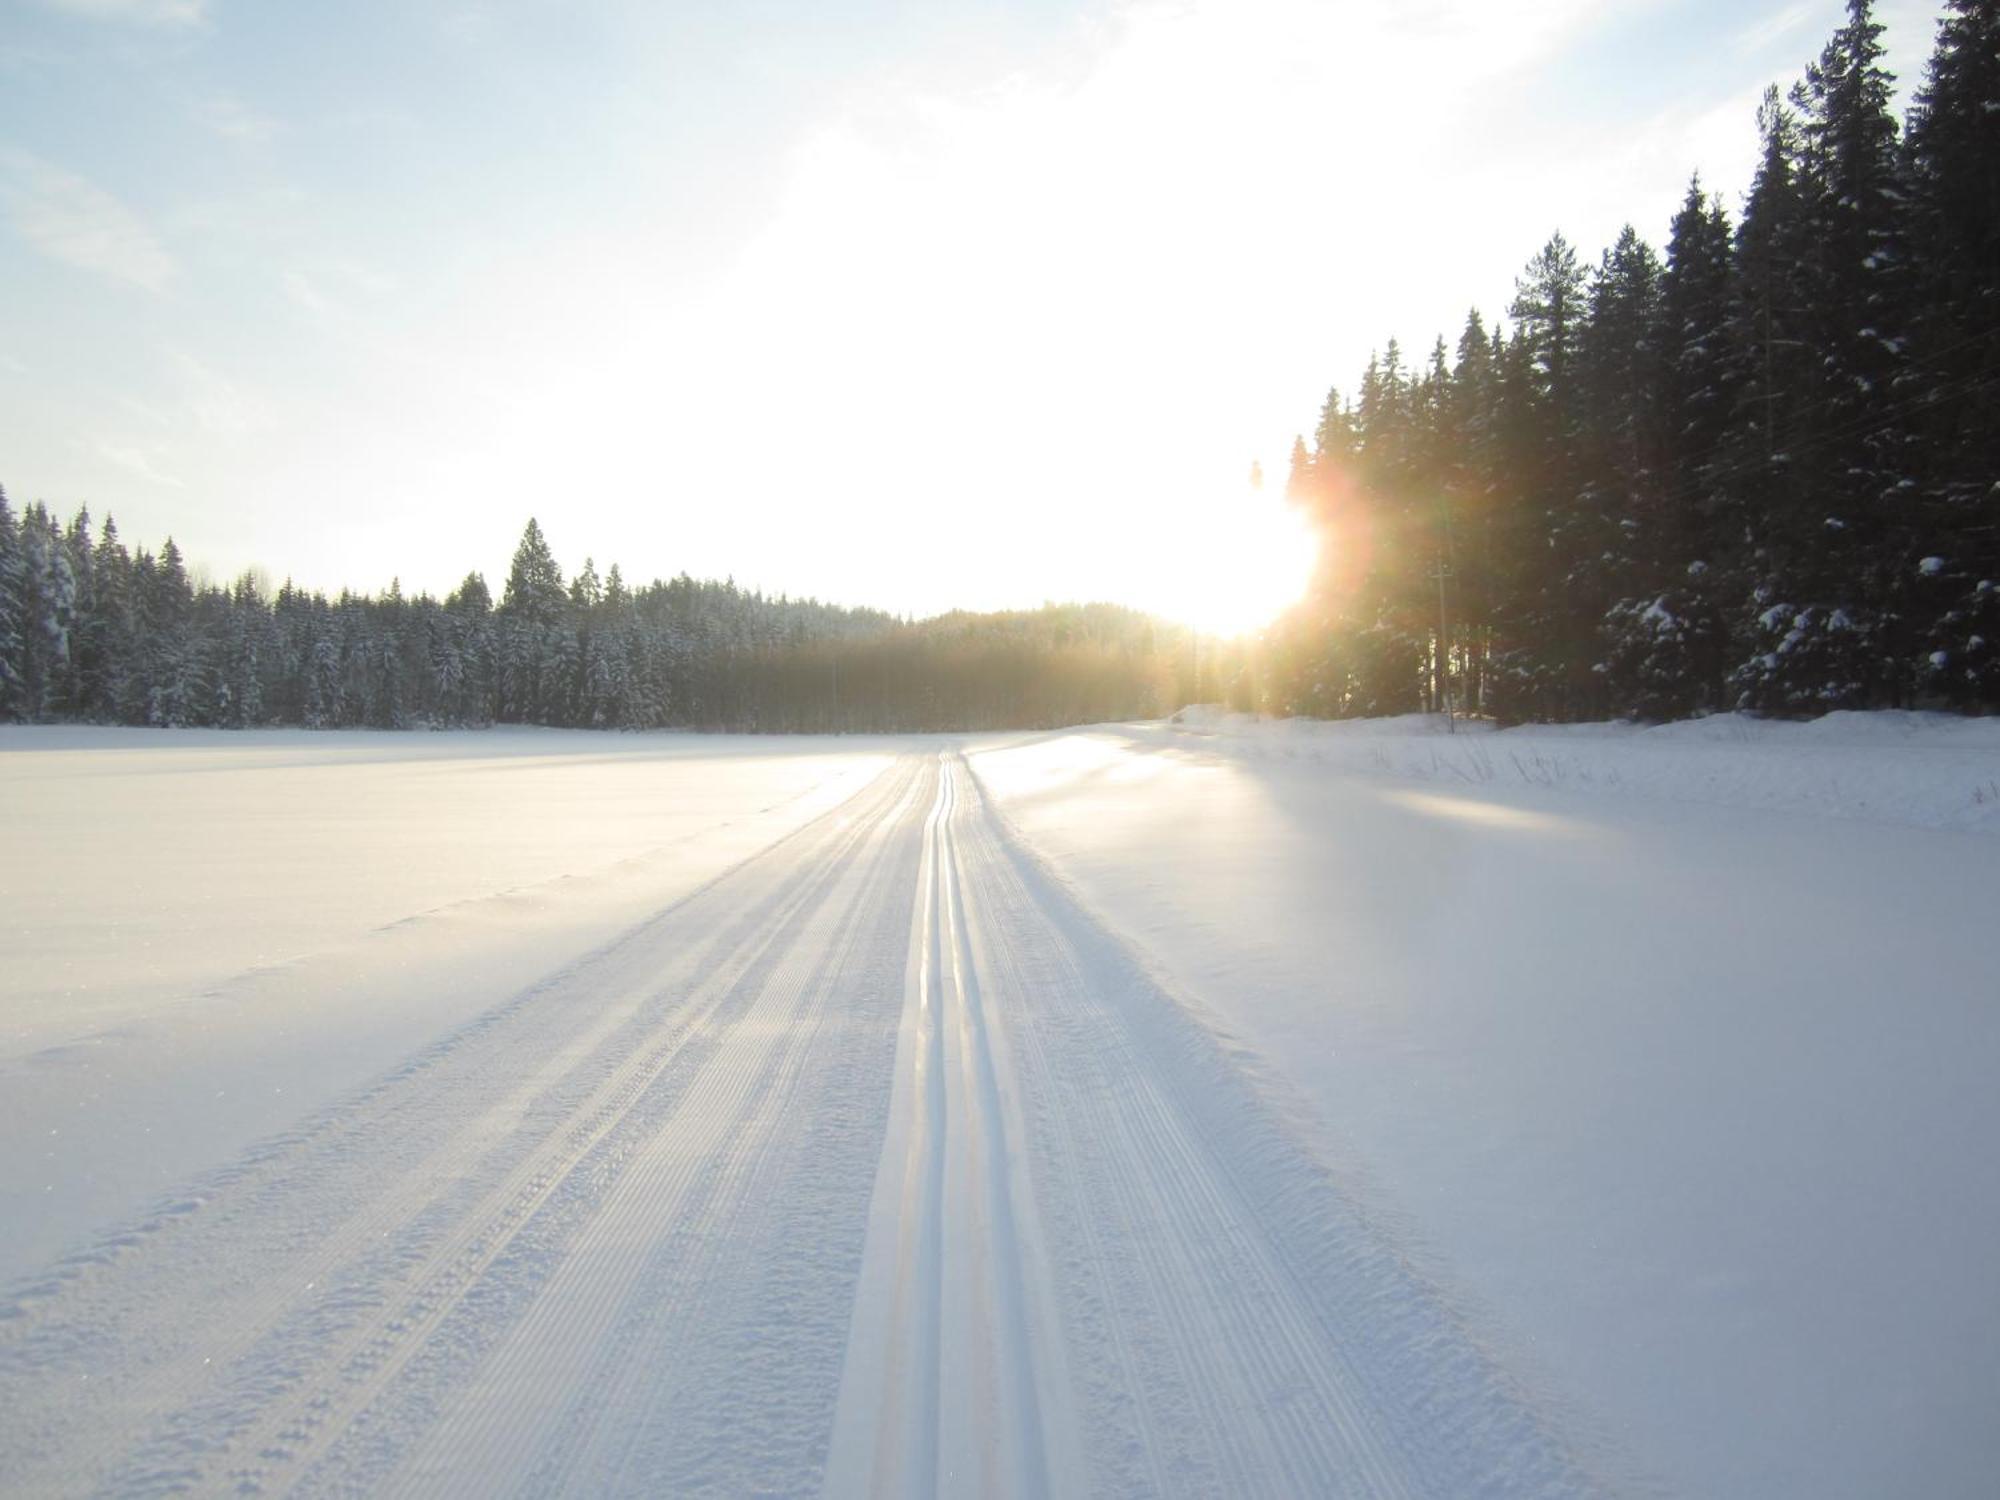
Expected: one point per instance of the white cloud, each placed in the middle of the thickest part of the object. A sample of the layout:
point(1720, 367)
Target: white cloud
point(233, 120)
point(1759, 35)
point(333, 293)
point(145, 12)
point(220, 406)
point(136, 461)
point(72, 220)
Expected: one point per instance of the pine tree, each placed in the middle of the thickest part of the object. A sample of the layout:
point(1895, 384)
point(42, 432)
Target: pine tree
point(1953, 145)
point(48, 604)
point(1860, 284)
point(111, 634)
point(173, 665)
point(13, 617)
point(1622, 527)
point(240, 678)
point(1544, 671)
point(1389, 636)
point(534, 583)
point(1656, 625)
point(1467, 487)
point(1669, 655)
point(1776, 395)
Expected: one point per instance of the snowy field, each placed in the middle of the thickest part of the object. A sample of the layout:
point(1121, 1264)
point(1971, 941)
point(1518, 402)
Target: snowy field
point(1198, 1108)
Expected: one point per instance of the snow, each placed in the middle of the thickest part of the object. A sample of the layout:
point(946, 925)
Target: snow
point(1926, 769)
point(1220, 1106)
point(1669, 1050)
point(281, 914)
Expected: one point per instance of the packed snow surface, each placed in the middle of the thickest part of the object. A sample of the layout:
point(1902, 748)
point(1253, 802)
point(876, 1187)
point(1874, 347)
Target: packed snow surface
point(1191, 1108)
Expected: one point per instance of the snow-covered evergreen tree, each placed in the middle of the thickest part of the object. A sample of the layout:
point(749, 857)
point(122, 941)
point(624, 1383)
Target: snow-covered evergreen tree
point(13, 617)
point(1953, 146)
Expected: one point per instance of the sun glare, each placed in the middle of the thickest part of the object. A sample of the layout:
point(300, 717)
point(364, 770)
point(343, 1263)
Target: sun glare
point(1230, 572)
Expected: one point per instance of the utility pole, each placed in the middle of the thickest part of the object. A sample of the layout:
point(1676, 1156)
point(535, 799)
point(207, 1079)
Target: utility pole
point(1441, 571)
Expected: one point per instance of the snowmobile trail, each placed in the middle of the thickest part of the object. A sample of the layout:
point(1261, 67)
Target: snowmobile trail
point(875, 1167)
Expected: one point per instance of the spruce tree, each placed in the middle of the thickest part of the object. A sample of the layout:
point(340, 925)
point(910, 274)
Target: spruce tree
point(111, 634)
point(531, 611)
point(1860, 288)
point(1468, 487)
point(1953, 152)
point(1681, 667)
point(13, 617)
point(1777, 396)
point(1544, 671)
point(534, 583)
point(174, 667)
point(48, 600)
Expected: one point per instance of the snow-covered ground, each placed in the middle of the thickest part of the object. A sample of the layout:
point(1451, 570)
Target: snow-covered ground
point(1931, 770)
point(210, 934)
point(1213, 1107)
point(1671, 1051)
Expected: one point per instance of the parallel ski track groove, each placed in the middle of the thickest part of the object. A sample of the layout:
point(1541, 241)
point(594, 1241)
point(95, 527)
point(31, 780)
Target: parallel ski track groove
point(1001, 1249)
point(1203, 1241)
point(906, 1436)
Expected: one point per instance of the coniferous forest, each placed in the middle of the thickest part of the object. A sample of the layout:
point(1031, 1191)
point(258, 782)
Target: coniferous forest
point(1759, 470)
point(94, 632)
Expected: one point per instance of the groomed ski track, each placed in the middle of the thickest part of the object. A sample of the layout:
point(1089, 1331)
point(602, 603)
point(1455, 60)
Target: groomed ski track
point(875, 1167)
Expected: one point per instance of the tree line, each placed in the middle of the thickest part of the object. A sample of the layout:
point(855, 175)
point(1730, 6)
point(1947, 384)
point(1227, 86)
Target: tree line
point(1761, 471)
point(92, 631)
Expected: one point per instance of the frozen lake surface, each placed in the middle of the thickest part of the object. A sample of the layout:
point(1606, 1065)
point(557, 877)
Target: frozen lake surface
point(1213, 1107)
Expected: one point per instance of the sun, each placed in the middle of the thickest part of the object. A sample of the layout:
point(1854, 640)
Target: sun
point(1232, 567)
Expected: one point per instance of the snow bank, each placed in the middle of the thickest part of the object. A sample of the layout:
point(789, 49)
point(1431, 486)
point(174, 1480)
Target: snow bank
point(1923, 769)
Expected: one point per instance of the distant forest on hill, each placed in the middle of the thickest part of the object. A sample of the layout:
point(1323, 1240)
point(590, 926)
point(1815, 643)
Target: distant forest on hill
point(1761, 471)
point(91, 631)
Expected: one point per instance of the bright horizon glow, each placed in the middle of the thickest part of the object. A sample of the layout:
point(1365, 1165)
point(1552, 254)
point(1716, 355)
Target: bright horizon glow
point(962, 307)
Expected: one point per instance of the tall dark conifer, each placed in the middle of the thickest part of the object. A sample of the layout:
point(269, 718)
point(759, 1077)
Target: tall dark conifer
point(1860, 285)
point(1953, 147)
point(13, 617)
point(1545, 671)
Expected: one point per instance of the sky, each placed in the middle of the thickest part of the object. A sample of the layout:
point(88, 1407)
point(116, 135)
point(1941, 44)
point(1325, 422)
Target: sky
point(916, 306)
